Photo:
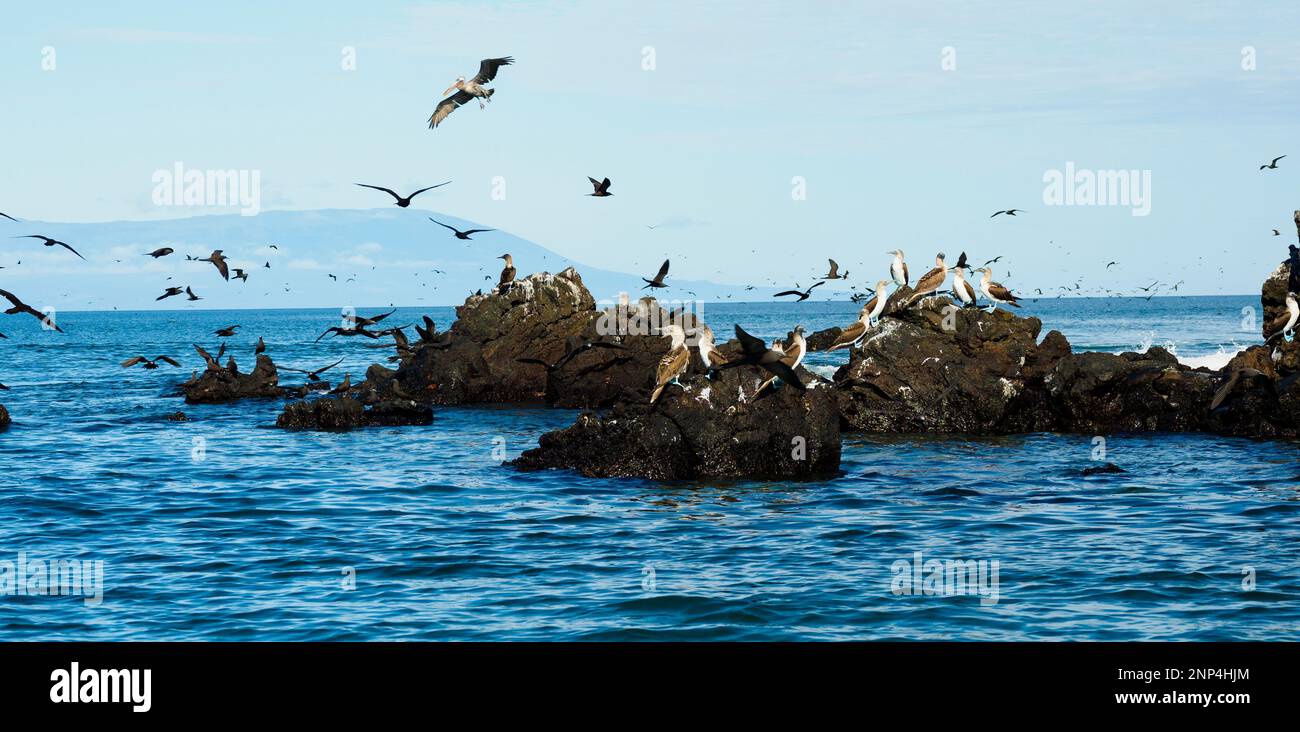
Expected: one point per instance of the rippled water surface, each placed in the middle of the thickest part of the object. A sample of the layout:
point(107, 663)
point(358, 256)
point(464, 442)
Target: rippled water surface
point(258, 539)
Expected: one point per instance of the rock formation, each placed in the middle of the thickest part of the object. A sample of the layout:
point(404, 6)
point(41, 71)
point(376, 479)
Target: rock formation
point(344, 412)
point(224, 384)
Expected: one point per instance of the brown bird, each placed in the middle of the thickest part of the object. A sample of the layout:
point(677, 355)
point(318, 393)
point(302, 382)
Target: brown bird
point(213, 364)
point(674, 362)
point(261, 347)
point(794, 348)
point(51, 242)
point(149, 364)
point(402, 202)
point(834, 273)
point(344, 386)
point(930, 281)
point(190, 295)
point(994, 292)
point(171, 292)
point(466, 90)
point(226, 332)
point(601, 188)
point(507, 273)
point(241, 274)
point(218, 260)
point(159, 252)
point(754, 352)
point(803, 294)
point(21, 307)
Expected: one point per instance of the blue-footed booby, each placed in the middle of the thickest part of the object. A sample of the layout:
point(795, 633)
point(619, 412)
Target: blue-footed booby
point(507, 273)
point(961, 289)
point(994, 292)
point(869, 313)
point(794, 349)
point(930, 281)
point(898, 268)
point(674, 362)
point(754, 352)
point(1285, 323)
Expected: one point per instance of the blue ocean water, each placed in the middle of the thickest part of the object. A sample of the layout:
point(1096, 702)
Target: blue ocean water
point(421, 533)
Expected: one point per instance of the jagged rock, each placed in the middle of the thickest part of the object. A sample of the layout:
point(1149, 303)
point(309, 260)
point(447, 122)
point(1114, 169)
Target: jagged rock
point(224, 384)
point(345, 413)
point(475, 361)
point(4, 418)
point(1107, 469)
point(704, 430)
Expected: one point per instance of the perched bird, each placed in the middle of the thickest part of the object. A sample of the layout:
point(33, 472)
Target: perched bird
point(869, 315)
point(507, 272)
point(834, 273)
point(930, 281)
point(601, 188)
point(1009, 212)
point(260, 348)
point(226, 332)
point(754, 352)
point(658, 281)
point(148, 364)
point(708, 349)
point(994, 292)
point(459, 234)
point(401, 202)
point(961, 289)
point(51, 242)
point(20, 307)
point(213, 364)
point(171, 292)
point(802, 294)
point(1272, 165)
point(674, 362)
point(313, 375)
point(467, 90)
point(159, 252)
point(429, 330)
point(898, 268)
point(344, 386)
point(218, 260)
point(1285, 323)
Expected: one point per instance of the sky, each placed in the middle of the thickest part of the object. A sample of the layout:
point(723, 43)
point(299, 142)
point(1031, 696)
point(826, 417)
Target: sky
point(758, 138)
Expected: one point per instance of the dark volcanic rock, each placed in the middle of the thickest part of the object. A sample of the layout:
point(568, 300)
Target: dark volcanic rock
point(225, 384)
point(475, 361)
point(4, 418)
point(345, 413)
point(823, 339)
point(706, 429)
point(1106, 469)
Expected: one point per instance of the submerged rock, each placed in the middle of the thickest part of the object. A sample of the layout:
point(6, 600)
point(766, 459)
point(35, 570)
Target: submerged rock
point(224, 384)
point(705, 429)
point(1107, 469)
point(344, 413)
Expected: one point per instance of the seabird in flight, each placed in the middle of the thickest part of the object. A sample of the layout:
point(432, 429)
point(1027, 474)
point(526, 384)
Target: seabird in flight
point(834, 273)
point(226, 332)
point(21, 307)
point(466, 90)
point(994, 292)
point(159, 252)
point(313, 375)
point(51, 242)
point(802, 294)
point(459, 234)
point(600, 188)
point(898, 268)
point(148, 364)
point(1009, 212)
point(218, 260)
point(401, 202)
point(190, 294)
point(658, 281)
point(794, 348)
point(171, 292)
point(1272, 165)
point(754, 352)
point(570, 352)
point(674, 362)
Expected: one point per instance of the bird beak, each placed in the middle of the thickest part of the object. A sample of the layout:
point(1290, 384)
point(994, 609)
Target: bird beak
point(449, 90)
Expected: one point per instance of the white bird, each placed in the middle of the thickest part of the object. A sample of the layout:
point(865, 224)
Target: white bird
point(466, 90)
point(898, 268)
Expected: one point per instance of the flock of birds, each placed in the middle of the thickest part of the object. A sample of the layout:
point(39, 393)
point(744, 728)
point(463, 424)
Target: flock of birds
point(780, 359)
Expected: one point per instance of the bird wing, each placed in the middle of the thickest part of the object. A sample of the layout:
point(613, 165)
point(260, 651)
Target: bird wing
point(477, 231)
point(595, 184)
point(327, 368)
point(750, 345)
point(133, 361)
point(906, 278)
point(931, 280)
point(381, 188)
point(849, 335)
point(815, 284)
point(439, 223)
point(1001, 293)
point(961, 261)
point(422, 190)
point(663, 272)
point(970, 291)
point(220, 263)
point(487, 68)
point(167, 359)
point(835, 268)
point(1277, 159)
point(65, 246)
point(787, 374)
point(788, 292)
point(604, 185)
point(447, 106)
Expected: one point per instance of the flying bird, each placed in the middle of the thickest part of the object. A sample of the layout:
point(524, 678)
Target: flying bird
point(226, 332)
point(190, 294)
point(21, 307)
point(1272, 165)
point(241, 274)
point(601, 188)
point(754, 352)
point(834, 273)
point(802, 294)
point(658, 281)
point(171, 292)
point(51, 242)
point(466, 90)
point(459, 234)
point(149, 364)
point(218, 260)
point(313, 375)
point(401, 202)
point(159, 252)
point(1009, 212)
point(570, 352)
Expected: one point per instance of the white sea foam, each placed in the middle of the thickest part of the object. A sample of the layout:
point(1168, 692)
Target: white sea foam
point(1213, 361)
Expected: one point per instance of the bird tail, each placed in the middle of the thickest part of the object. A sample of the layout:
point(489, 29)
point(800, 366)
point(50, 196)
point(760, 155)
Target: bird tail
point(655, 395)
point(490, 92)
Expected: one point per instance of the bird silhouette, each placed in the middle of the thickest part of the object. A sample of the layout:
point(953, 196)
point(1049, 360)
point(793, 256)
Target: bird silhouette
point(402, 202)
